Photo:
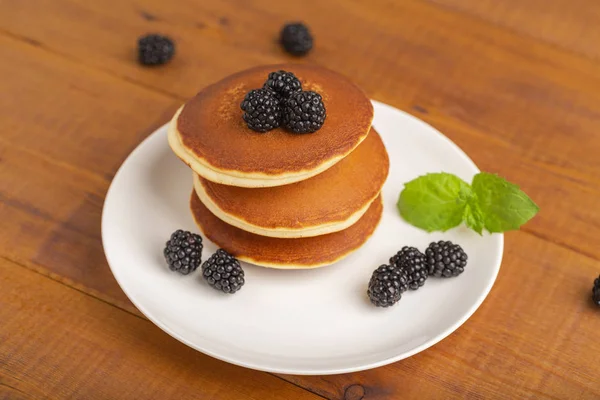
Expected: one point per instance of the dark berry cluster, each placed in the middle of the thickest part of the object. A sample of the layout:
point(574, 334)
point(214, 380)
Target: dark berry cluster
point(281, 101)
point(596, 291)
point(222, 271)
point(411, 268)
point(262, 111)
point(155, 49)
point(445, 259)
point(412, 261)
point(283, 84)
point(387, 284)
point(183, 252)
point(304, 112)
point(296, 39)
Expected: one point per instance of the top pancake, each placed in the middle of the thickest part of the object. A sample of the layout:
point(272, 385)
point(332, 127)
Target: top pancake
point(209, 134)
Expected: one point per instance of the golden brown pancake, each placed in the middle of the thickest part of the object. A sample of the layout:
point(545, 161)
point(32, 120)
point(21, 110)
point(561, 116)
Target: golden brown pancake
point(271, 252)
point(329, 202)
point(209, 134)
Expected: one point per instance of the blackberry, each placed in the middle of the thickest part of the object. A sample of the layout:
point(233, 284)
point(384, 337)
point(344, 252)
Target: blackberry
point(223, 272)
point(262, 111)
point(386, 286)
point(304, 112)
point(183, 252)
point(155, 49)
point(445, 259)
point(596, 291)
point(283, 83)
point(413, 262)
point(296, 39)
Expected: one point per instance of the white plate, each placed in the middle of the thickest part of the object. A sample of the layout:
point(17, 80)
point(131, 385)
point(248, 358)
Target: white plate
point(295, 322)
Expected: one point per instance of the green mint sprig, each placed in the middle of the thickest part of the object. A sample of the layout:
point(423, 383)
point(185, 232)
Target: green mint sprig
point(441, 201)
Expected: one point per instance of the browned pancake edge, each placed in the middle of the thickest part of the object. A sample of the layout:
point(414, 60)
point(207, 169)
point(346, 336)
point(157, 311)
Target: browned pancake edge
point(331, 197)
point(286, 253)
point(211, 127)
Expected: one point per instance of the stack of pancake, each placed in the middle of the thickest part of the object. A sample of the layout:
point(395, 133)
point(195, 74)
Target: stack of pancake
point(279, 199)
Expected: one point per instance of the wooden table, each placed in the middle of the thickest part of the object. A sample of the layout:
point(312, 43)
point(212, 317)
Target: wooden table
point(515, 83)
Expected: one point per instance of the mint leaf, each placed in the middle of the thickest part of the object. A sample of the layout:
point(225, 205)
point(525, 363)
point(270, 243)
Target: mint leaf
point(438, 202)
point(434, 202)
point(503, 205)
point(473, 216)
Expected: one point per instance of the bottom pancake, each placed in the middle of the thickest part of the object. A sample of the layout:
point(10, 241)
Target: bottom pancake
point(301, 253)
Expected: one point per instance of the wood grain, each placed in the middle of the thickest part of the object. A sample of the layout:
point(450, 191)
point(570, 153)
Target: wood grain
point(520, 100)
point(529, 339)
point(92, 350)
point(55, 170)
point(515, 85)
point(570, 25)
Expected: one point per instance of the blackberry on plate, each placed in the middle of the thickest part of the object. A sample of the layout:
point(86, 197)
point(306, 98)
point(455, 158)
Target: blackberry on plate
point(183, 251)
point(262, 111)
point(296, 39)
point(386, 286)
point(283, 83)
point(304, 112)
point(413, 262)
point(155, 49)
point(223, 272)
point(445, 259)
point(596, 291)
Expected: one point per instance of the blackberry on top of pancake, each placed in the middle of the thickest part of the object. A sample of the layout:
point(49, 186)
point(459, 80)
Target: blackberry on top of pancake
point(282, 101)
point(209, 134)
